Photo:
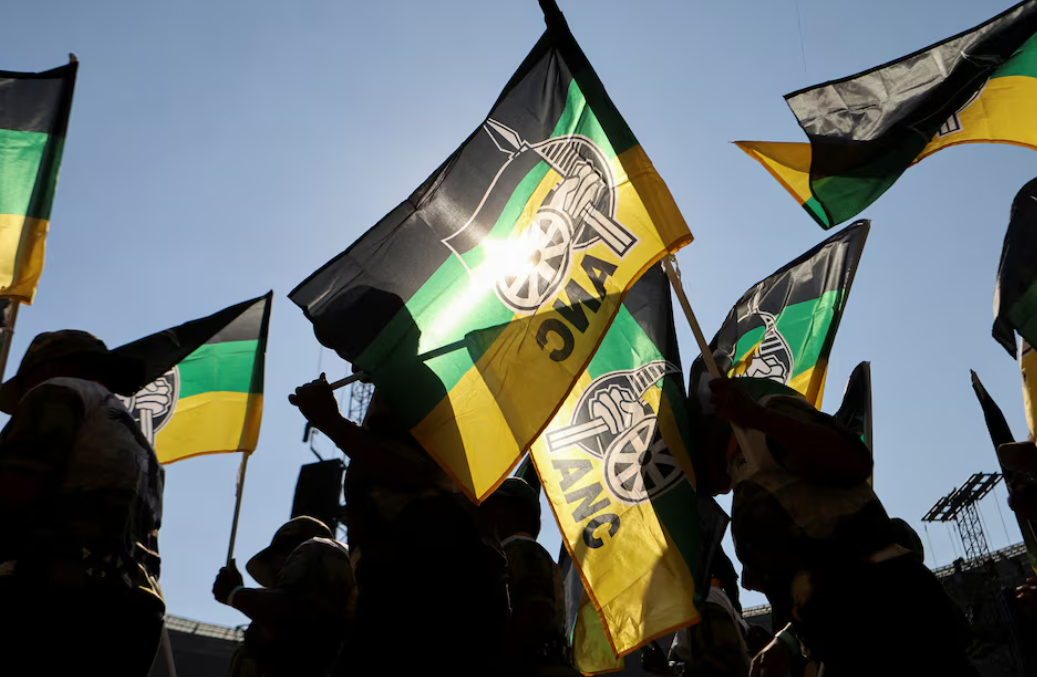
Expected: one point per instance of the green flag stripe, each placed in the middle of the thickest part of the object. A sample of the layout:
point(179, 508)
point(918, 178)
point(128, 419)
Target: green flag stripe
point(797, 323)
point(1023, 62)
point(20, 156)
point(219, 367)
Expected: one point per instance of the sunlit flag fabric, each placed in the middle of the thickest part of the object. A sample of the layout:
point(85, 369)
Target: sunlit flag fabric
point(1000, 434)
point(211, 401)
point(867, 129)
point(517, 251)
point(615, 465)
point(1015, 296)
point(783, 328)
point(34, 112)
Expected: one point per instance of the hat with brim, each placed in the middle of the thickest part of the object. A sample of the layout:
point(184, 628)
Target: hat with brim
point(84, 352)
point(266, 565)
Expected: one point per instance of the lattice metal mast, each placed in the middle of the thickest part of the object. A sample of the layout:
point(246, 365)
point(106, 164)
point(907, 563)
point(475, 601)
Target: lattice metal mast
point(359, 400)
point(961, 507)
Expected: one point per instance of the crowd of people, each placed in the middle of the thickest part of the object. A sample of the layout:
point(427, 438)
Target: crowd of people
point(427, 581)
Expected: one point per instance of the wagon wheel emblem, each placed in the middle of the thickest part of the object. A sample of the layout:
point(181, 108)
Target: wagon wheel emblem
point(548, 240)
point(639, 466)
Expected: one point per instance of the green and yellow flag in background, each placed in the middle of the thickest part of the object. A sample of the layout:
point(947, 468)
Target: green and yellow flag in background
point(616, 467)
point(509, 264)
point(867, 129)
point(211, 401)
point(34, 112)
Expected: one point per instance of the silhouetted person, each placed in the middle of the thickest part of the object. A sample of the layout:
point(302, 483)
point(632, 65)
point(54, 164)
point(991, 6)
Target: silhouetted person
point(536, 645)
point(80, 509)
point(807, 523)
point(422, 561)
point(301, 616)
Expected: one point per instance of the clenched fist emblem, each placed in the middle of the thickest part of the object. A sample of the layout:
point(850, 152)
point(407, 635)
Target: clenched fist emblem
point(157, 397)
point(578, 192)
point(618, 408)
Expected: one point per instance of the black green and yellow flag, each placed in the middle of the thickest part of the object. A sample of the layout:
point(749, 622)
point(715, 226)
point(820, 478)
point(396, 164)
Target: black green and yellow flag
point(616, 467)
point(211, 400)
point(1000, 434)
point(1015, 295)
point(855, 410)
point(508, 264)
point(783, 328)
point(867, 129)
point(34, 112)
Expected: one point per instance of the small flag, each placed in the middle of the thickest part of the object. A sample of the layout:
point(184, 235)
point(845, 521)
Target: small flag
point(855, 411)
point(34, 112)
point(615, 466)
point(1015, 295)
point(1000, 434)
point(508, 264)
point(867, 129)
point(783, 328)
point(211, 400)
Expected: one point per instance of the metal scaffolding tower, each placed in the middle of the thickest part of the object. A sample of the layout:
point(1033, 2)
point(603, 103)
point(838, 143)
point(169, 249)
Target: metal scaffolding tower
point(960, 507)
point(359, 400)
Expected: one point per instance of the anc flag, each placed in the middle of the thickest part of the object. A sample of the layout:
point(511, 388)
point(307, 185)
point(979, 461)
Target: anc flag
point(615, 465)
point(508, 264)
point(867, 129)
point(34, 112)
point(589, 647)
point(855, 411)
point(1000, 434)
point(783, 328)
point(1028, 365)
point(1015, 295)
point(211, 400)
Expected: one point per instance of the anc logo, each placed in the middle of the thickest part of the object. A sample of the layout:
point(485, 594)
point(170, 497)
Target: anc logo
point(155, 405)
point(772, 357)
point(613, 423)
point(579, 211)
point(953, 125)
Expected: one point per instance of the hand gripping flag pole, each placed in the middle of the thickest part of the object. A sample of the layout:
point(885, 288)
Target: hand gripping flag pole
point(673, 272)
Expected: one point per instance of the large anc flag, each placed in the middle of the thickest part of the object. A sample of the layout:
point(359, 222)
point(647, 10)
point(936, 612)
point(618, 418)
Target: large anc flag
point(1015, 295)
point(211, 401)
point(1000, 434)
point(616, 467)
point(783, 328)
point(507, 264)
point(867, 129)
point(34, 112)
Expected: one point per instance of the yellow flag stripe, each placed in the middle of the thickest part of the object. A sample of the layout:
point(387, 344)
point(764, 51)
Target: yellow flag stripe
point(23, 243)
point(210, 423)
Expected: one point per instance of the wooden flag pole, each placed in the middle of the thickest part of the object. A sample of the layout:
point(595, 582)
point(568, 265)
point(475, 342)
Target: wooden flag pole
point(442, 350)
point(669, 265)
point(168, 649)
point(237, 506)
point(8, 335)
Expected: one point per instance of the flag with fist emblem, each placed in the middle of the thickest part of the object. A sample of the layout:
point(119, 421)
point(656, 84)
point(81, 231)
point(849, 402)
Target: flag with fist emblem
point(516, 253)
point(211, 400)
point(616, 467)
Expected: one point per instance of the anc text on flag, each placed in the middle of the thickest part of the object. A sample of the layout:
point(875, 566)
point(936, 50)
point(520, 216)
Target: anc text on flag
point(34, 113)
point(206, 396)
point(865, 130)
point(1015, 294)
point(615, 465)
point(519, 248)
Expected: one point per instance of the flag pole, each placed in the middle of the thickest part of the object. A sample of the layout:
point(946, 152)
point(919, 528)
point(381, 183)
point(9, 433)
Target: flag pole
point(442, 350)
point(237, 506)
point(5, 350)
point(672, 272)
point(168, 649)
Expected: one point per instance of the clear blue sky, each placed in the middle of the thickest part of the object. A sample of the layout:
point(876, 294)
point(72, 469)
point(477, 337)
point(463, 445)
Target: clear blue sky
point(221, 149)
